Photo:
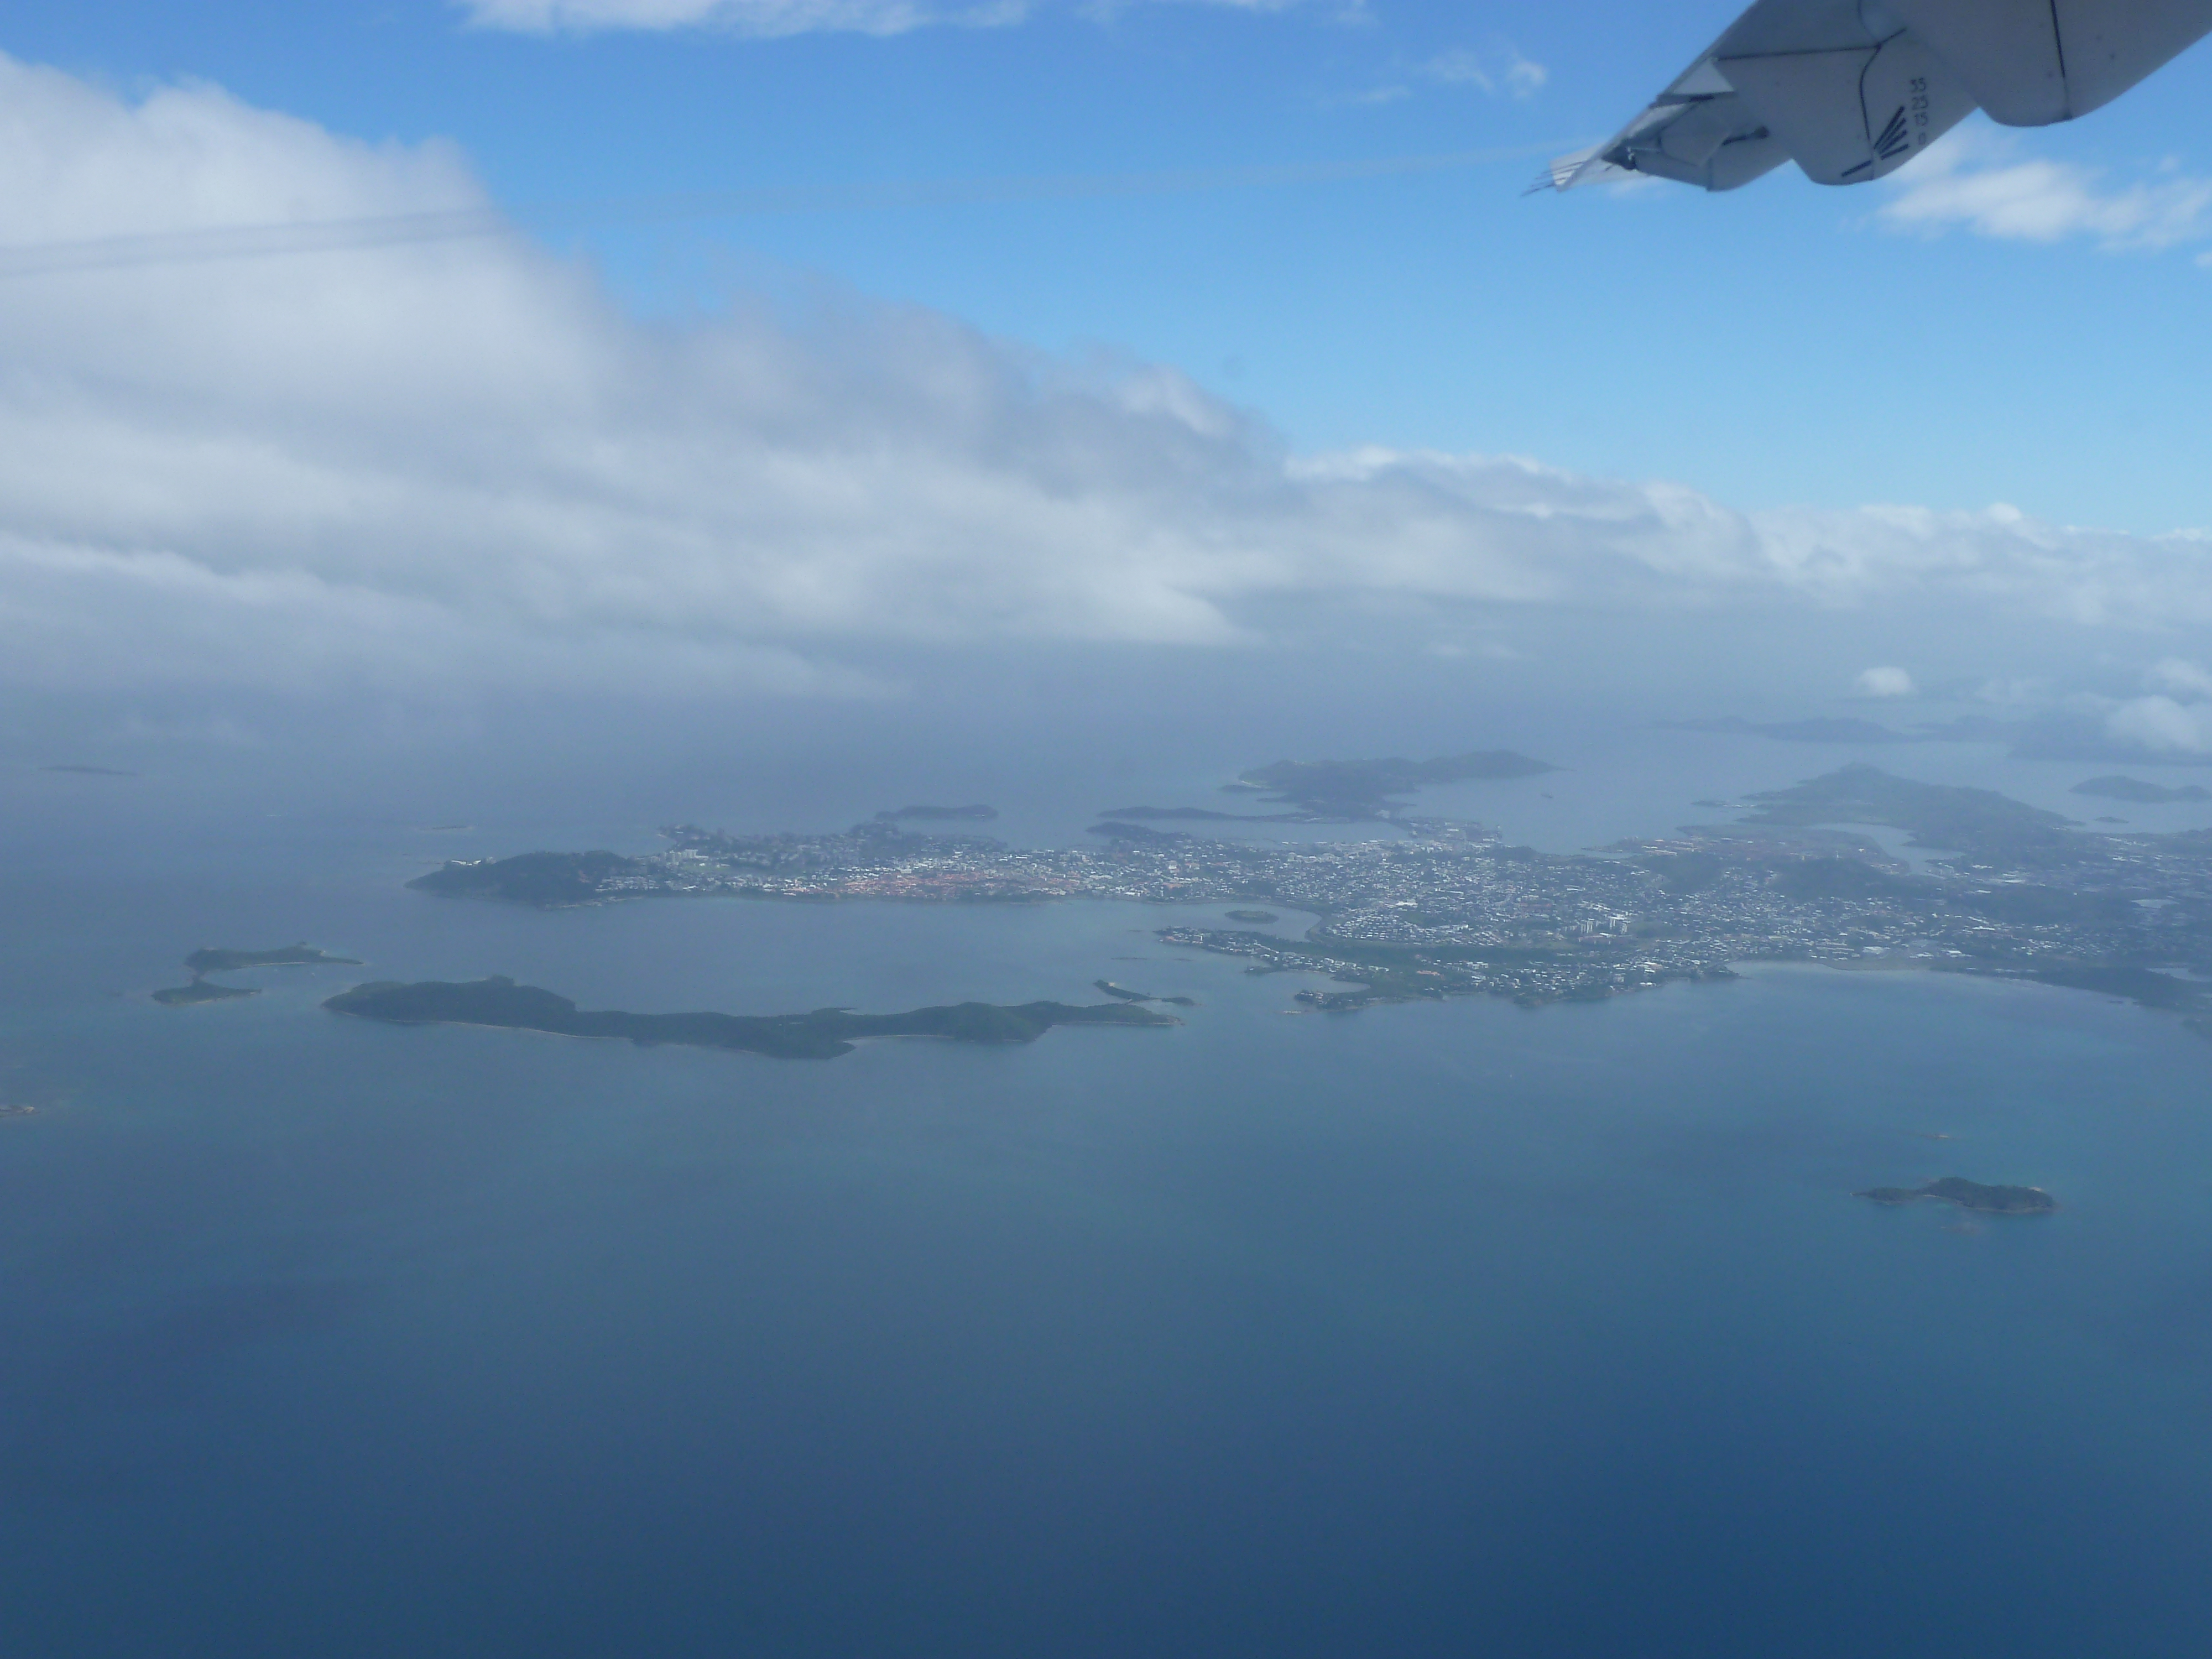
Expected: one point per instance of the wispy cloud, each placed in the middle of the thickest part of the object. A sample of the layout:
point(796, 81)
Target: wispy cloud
point(772, 18)
point(296, 234)
point(1501, 71)
point(1504, 70)
point(1985, 183)
point(1525, 78)
point(1884, 683)
point(754, 18)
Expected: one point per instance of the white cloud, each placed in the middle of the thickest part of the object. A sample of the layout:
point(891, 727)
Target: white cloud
point(436, 465)
point(1885, 683)
point(2179, 677)
point(2176, 717)
point(2014, 691)
point(1461, 68)
point(1982, 181)
point(2163, 725)
point(1507, 71)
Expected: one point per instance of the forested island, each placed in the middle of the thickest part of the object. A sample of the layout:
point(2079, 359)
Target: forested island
point(206, 960)
point(1352, 790)
point(821, 1035)
point(1948, 816)
point(1968, 1195)
point(223, 959)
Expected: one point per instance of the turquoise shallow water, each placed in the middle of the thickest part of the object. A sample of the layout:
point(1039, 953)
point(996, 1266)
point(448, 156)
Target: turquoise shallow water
point(1432, 1328)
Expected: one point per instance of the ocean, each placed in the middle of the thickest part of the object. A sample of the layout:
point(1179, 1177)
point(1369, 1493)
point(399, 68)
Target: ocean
point(1445, 1329)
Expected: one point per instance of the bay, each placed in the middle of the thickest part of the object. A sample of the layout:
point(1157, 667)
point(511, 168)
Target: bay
point(1431, 1327)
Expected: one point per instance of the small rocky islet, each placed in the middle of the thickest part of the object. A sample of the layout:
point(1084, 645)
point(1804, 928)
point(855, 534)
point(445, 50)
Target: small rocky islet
point(224, 959)
point(1968, 1195)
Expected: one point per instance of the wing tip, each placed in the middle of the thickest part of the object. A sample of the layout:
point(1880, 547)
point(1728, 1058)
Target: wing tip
point(1582, 166)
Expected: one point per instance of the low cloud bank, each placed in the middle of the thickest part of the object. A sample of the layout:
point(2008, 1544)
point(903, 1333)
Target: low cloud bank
point(1985, 182)
point(434, 467)
point(2175, 717)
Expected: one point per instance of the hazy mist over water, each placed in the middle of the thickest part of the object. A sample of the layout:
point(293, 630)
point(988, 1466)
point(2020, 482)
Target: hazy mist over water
point(1050, 735)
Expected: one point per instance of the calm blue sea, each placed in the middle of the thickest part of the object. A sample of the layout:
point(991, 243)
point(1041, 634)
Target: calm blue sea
point(1439, 1329)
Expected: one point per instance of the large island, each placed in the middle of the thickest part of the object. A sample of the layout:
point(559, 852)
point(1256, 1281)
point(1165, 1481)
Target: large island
point(821, 1035)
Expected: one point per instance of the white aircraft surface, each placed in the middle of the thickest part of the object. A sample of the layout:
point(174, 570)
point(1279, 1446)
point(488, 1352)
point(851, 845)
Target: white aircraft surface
point(1852, 90)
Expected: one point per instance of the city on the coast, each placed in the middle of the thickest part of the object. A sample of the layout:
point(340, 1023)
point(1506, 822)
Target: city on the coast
point(1443, 908)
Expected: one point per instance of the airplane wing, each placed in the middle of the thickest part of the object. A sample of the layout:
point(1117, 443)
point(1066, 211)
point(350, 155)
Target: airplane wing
point(1852, 90)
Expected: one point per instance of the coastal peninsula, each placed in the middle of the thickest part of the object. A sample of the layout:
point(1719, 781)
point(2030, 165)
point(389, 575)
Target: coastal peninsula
point(1126, 995)
point(549, 880)
point(1968, 1195)
point(821, 1035)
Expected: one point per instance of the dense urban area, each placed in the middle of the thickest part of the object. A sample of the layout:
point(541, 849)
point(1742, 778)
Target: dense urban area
point(1440, 908)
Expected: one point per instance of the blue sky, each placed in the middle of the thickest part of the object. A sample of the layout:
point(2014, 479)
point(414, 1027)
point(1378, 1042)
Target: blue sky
point(1775, 346)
